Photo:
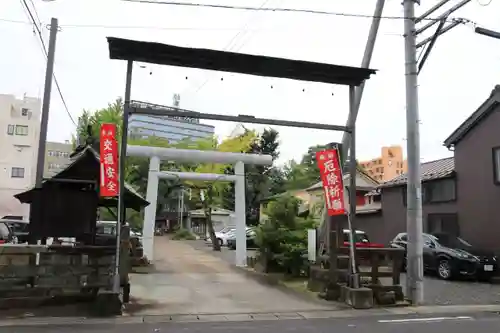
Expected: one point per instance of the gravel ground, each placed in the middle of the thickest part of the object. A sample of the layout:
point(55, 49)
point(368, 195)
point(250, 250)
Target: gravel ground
point(437, 292)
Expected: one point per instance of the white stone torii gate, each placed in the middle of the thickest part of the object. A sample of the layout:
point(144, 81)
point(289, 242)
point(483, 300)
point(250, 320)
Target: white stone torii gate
point(198, 156)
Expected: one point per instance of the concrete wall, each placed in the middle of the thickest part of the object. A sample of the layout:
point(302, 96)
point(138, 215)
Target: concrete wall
point(56, 157)
point(373, 225)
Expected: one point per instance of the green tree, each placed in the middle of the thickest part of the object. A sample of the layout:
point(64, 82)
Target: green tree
point(282, 238)
point(136, 168)
point(261, 180)
point(113, 114)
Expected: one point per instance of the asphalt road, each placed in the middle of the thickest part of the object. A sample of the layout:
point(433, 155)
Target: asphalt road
point(437, 292)
point(484, 323)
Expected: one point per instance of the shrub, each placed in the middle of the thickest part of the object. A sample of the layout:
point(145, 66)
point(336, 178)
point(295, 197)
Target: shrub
point(183, 234)
point(282, 239)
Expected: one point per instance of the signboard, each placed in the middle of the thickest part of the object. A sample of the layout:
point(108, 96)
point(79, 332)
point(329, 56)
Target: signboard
point(331, 177)
point(311, 245)
point(108, 161)
point(147, 105)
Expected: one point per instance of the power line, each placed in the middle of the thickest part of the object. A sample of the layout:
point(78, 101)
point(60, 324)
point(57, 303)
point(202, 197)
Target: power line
point(272, 9)
point(14, 21)
point(40, 37)
point(36, 13)
point(138, 27)
point(484, 4)
point(230, 45)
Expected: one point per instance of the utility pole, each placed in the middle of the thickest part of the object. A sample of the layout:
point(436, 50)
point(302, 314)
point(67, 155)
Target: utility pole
point(415, 280)
point(49, 73)
point(415, 276)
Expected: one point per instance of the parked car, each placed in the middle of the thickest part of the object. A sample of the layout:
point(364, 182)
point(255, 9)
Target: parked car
point(106, 235)
point(360, 240)
point(19, 229)
point(219, 234)
point(231, 241)
point(225, 234)
point(450, 256)
point(6, 234)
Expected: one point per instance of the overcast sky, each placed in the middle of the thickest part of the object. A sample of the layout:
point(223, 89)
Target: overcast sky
point(458, 76)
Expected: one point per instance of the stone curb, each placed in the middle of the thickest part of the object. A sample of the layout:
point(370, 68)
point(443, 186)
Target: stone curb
point(299, 315)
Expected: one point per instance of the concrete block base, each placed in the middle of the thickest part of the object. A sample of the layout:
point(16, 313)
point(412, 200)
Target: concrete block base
point(332, 292)
point(359, 298)
point(107, 304)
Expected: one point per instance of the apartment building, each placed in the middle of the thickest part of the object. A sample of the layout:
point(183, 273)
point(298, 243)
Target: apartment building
point(19, 135)
point(56, 157)
point(390, 164)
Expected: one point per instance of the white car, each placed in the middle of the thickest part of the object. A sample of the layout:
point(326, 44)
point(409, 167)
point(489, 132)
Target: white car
point(228, 235)
point(218, 234)
point(222, 238)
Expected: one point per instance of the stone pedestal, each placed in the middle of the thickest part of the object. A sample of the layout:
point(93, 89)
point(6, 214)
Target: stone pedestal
point(359, 298)
point(107, 304)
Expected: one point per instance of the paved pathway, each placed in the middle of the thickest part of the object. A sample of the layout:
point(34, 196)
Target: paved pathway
point(190, 281)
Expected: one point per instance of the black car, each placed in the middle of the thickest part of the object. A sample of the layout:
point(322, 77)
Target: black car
point(231, 242)
point(106, 236)
point(450, 256)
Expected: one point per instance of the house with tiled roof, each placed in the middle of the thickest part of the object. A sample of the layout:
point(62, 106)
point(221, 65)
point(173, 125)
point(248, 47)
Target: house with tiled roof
point(312, 197)
point(460, 194)
point(365, 204)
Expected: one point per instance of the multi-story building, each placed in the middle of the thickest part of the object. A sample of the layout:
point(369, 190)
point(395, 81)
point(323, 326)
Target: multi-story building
point(19, 135)
point(389, 165)
point(174, 129)
point(56, 157)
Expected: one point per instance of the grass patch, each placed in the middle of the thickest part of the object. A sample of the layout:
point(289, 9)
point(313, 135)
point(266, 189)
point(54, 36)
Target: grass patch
point(183, 234)
point(299, 285)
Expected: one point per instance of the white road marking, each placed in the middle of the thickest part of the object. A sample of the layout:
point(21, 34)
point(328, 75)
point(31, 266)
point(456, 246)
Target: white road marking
point(432, 319)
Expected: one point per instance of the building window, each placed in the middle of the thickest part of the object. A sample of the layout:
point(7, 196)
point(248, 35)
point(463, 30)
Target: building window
point(24, 112)
point(21, 130)
point(439, 191)
point(496, 165)
point(10, 129)
point(436, 191)
point(17, 173)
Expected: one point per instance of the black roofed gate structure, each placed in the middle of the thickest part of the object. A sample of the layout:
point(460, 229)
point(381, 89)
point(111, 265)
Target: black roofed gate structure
point(163, 54)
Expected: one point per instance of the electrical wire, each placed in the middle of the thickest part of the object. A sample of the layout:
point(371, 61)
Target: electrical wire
point(14, 21)
point(36, 13)
point(273, 9)
point(44, 47)
point(484, 4)
point(230, 45)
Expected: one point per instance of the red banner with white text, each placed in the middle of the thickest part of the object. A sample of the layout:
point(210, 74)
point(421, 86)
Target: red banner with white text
point(331, 177)
point(109, 182)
